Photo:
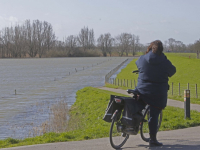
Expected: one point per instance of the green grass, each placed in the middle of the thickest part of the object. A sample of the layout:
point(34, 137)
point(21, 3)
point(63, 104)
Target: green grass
point(173, 119)
point(187, 72)
point(186, 55)
point(187, 69)
point(90, 106)
point(86, 120)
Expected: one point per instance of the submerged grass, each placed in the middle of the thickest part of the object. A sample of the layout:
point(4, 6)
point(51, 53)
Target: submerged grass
point(86, 120)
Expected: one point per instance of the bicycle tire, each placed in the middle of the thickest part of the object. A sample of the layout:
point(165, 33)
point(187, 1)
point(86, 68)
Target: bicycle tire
point(144, 127)
point(117, 140)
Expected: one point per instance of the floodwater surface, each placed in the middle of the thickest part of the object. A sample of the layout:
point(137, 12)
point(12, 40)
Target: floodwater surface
point(29, 87)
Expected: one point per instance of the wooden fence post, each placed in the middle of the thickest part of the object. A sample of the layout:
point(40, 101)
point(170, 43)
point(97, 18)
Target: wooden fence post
point(134, 84)
point(131, 84)
point(196, 91)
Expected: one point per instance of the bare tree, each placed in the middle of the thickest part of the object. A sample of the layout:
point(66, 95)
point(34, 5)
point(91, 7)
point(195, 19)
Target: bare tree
point(91, 39)
point(60, 46)
point(191, 48)
point(134, 44)
point(50, 37)
point(124, 42)
point(171, 43)
point(70, 44)
point(197, 47)
point(31, 39)
point(8, 41)
point(82, 38)
point(2, 45)
point(105, 42)
point(109, 41)
point(137, 43)
point(40, 33)
point(179, 46)
point(18, 39)
point(86, 38)
point(101, 44)
point(165, 46)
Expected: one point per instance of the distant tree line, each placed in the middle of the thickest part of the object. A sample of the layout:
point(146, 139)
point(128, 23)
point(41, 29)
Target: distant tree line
point(37, 39)
point(171, 45)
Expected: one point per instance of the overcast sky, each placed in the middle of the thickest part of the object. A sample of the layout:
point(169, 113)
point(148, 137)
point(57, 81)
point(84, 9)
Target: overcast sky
point(149, 19)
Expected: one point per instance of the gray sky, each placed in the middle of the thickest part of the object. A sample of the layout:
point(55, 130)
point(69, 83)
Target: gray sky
point(150, 19)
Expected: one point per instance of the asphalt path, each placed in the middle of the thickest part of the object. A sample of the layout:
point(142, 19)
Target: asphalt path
point(182, 139)
point(170, 102)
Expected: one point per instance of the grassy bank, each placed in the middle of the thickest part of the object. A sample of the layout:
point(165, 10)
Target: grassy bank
point(86, 120)
point(187, 69)
point(187, 72)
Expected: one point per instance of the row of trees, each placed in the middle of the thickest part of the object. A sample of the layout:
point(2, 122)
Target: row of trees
point(37, 39)
point(30, 38)
point(171, 45)
point(123, 44)
point(72, 44)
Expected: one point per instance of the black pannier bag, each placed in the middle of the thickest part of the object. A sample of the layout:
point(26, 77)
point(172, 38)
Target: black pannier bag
point(132, 115)
point(112, 106)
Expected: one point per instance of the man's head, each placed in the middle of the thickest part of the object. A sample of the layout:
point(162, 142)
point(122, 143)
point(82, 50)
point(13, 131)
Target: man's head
point(156, 47)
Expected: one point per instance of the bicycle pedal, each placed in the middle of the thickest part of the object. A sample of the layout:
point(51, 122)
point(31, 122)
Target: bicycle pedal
point(144, 120)
point(123, 135)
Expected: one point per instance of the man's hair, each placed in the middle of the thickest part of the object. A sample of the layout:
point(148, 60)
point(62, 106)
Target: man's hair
point(156, 47)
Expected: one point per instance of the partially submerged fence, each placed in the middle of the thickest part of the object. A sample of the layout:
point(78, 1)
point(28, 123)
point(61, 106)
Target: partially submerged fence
point(176, 89)
point(107, 77)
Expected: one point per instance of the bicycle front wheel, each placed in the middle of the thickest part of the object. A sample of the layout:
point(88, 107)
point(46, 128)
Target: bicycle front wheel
point(144, 126)
point(117, 138)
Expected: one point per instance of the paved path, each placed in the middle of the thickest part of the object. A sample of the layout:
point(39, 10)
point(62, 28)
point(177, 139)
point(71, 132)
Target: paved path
point(170, 102)
point(182, 139)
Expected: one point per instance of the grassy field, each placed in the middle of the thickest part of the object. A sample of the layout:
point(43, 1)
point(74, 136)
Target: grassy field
point(86, 120)
point(187, 72)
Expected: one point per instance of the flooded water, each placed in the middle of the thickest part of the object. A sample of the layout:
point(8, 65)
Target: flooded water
point(29, 87)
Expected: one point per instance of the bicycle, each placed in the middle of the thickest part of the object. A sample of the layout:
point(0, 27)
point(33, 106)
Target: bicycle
point(119, 133)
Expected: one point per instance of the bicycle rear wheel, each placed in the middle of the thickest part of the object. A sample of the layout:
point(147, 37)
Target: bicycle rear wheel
point(144, 126)
point(117, 138)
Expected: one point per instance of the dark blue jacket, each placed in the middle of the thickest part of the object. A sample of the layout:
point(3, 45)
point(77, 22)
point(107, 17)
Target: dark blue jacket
point(154, 71)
